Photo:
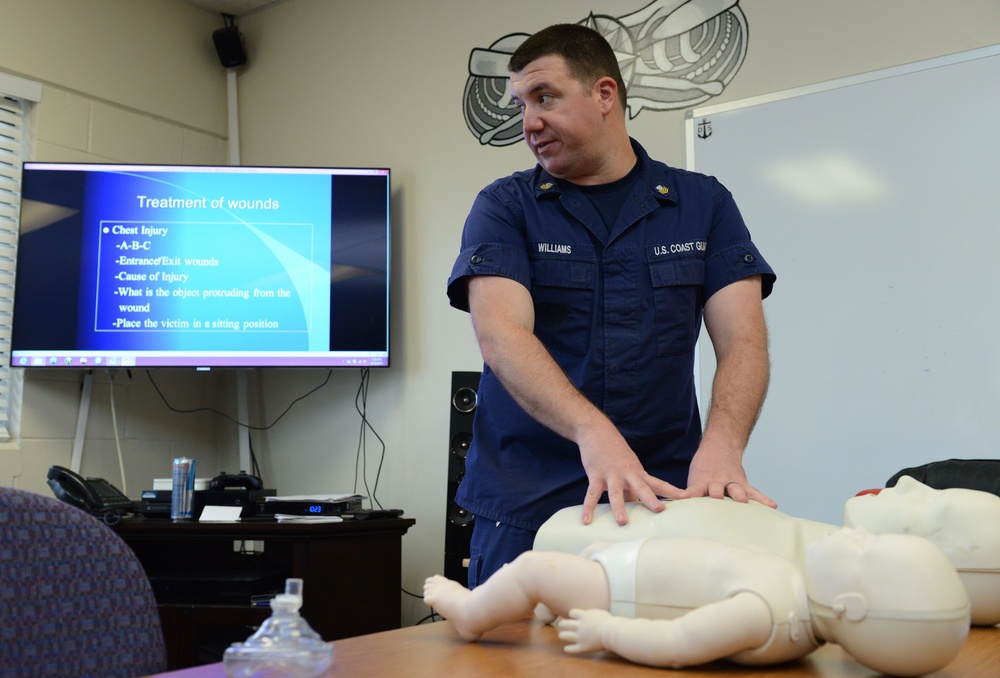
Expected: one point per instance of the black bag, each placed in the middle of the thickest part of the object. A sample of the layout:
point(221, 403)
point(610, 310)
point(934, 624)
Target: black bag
point(971, 474)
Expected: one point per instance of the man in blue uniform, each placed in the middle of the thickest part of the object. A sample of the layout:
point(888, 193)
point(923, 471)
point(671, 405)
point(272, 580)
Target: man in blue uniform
point(587, 278)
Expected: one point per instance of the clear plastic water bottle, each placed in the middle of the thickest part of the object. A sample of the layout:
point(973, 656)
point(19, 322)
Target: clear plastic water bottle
point(284, 645)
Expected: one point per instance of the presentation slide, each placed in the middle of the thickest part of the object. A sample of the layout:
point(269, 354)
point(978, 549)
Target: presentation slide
point(207, 261)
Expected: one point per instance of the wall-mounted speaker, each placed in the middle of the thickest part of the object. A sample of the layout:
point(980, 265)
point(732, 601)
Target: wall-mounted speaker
point(458, 529)
point(229, 44)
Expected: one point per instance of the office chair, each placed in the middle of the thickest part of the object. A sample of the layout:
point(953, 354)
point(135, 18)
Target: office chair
point(74, 599)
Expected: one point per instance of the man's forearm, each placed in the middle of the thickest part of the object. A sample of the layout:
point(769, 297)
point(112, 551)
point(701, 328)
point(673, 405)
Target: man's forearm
point(738, 390)
point(503, 318)
point(537, 383)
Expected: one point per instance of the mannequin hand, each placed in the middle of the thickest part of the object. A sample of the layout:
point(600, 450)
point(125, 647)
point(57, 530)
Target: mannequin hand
point(583, 630)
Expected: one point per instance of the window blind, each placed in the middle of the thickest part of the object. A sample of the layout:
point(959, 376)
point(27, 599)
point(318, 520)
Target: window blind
point(13, 126)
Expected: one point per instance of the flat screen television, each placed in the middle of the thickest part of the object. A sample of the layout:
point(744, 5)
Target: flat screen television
point(197, 266)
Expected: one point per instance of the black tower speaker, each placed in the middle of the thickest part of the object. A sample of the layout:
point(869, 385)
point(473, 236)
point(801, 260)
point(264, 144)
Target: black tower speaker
point(229, 44)
point(458, 530)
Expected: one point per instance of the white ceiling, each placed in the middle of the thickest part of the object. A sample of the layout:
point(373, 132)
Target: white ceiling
point(236, 8)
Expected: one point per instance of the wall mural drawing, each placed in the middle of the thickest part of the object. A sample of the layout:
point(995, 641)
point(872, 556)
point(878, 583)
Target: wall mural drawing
point(673, 54)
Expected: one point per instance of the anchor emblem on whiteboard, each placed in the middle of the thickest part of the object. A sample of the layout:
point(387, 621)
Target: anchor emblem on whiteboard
point(704, 129)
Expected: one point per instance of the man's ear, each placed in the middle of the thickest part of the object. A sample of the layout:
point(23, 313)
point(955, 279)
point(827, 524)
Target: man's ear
point(607, 89)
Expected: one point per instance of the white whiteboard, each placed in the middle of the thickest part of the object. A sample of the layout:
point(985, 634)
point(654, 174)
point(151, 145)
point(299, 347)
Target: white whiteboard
point(876, 200)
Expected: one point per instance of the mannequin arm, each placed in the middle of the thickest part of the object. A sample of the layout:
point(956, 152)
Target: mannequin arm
point(708, 633)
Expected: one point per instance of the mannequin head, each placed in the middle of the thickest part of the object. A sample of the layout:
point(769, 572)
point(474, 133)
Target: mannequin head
point(962, 523)
point(893, 601)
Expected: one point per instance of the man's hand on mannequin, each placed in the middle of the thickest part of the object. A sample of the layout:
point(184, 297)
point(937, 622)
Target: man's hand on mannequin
point(613, 467)
point(718, 477)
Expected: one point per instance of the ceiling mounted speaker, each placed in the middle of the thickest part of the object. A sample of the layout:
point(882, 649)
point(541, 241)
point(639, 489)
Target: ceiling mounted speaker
point(229, 44)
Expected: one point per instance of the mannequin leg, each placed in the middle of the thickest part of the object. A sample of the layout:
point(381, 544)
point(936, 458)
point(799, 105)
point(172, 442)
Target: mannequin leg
point(559, 580)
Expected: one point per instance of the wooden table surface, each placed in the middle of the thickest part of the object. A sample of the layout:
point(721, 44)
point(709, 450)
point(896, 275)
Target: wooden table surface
point(528, 648)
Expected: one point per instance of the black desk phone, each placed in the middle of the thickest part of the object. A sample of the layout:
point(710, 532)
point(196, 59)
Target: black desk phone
point(94, 495)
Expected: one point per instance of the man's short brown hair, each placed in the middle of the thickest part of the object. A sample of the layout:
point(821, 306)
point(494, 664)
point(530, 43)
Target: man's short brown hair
point(587, 54)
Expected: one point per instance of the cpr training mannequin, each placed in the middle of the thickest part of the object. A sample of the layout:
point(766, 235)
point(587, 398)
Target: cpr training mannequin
point(682, 601)
point(962, 523)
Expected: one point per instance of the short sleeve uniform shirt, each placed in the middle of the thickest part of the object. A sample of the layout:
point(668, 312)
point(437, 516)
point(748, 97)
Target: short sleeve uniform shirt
point(619, 311)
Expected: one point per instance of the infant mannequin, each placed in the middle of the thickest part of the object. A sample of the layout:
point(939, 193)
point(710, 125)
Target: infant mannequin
point(682, 601)
point(960, 522)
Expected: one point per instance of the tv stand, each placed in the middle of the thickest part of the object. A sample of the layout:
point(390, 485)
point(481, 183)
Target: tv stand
point(351, 571)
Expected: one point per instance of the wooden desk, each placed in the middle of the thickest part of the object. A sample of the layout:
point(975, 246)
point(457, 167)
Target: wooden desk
point(530, 649)
point(351, 570)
